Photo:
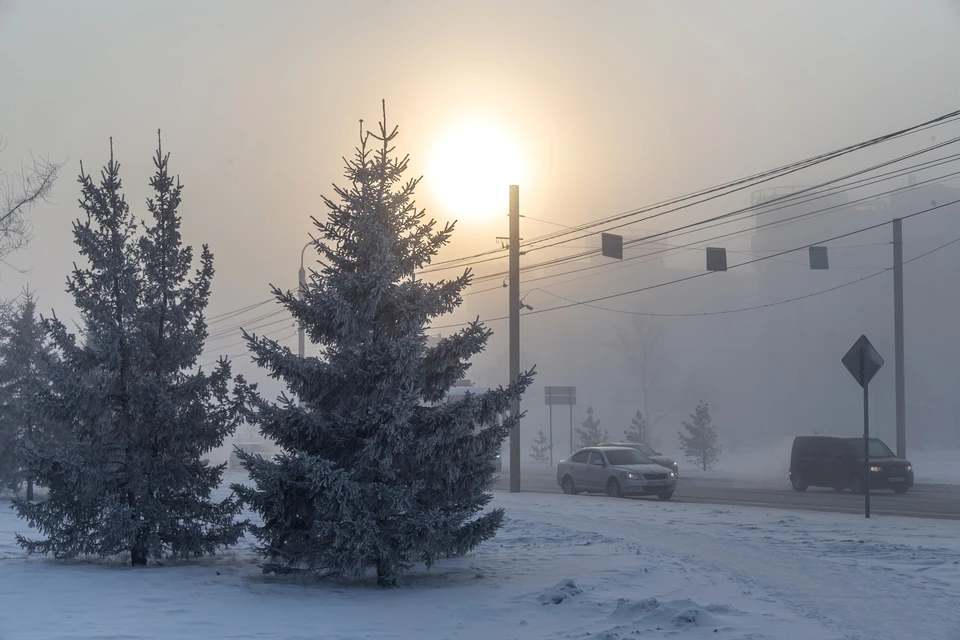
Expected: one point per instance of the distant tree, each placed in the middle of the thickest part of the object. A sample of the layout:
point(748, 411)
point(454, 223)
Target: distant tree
point(541, 449)
point(638, 429)
point(378, 471)
point(22, 343)
point(589, 431)
point(700, 442)
point(129, 475)
point(641, 345)
point(19, 193)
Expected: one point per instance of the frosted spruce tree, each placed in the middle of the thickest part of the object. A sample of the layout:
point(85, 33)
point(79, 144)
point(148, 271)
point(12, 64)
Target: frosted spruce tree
point(638, 431)
point(22, 343)
point(700, 443)
point(589, 431)
point(129, 476)
point(540, 449)
point(379, 472)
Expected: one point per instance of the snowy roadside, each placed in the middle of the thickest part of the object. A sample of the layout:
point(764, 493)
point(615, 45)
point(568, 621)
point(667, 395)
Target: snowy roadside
point(563, 566)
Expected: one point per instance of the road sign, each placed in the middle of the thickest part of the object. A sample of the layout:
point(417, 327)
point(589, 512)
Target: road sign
point(818, 258)
point(560, 395)
point(716, 259)
point(611, 245)
point(862, 361)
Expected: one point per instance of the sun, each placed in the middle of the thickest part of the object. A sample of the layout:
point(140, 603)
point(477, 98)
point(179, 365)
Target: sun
point(471, 168)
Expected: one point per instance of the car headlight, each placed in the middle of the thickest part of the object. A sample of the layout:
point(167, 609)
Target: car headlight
point(875, 469)
point(629, 475)
point(674, 466)
point(909, 467)
point(673, 475)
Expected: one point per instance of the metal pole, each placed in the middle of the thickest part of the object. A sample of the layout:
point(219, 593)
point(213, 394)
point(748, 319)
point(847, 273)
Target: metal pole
point(551, 435)
point(515, 332)
point(571, 429)
point(866, 435)
point(898, 337)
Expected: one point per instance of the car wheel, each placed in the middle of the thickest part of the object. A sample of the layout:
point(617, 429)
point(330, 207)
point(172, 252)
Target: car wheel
point(900, 490)
point(856, 485)
point(799, 484)
point(567, 486)
point(613, 488)
point(666, 495)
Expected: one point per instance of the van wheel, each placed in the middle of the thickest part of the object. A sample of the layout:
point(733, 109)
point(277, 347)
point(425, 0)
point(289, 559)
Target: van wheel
point(799, 484)
point(856, 485)
point(666, 495)
point(900, 490)
point(567, 486)
point(613, 488)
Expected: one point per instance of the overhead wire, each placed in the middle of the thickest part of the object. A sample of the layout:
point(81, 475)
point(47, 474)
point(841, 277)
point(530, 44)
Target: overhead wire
point(687, 230)
point(705, 273)
point(740, 185)
point(768, 305)
point(746, 212)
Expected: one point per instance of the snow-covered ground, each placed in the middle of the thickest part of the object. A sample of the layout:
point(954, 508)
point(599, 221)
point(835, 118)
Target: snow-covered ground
point(770, 464)
point(562, 567)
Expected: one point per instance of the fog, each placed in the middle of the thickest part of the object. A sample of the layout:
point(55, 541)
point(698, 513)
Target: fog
point(615, 106)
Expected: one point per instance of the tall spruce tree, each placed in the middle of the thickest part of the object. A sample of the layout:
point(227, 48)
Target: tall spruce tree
point(129, 476)
point(379, 472)
point(22, 342)
point(589, 431)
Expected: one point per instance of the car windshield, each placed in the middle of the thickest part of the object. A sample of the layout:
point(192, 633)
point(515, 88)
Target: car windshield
point(877, 448)
point(621, 457)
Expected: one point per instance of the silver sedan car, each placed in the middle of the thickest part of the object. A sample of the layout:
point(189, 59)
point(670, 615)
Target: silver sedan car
point(616, 471)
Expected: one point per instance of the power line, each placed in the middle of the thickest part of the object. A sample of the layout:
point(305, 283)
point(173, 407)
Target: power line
point(777, 223)
point(707, 273)
point(762, 306)
point(754, 229)
point(229, 314)
point(740, 184)
point(746, 212)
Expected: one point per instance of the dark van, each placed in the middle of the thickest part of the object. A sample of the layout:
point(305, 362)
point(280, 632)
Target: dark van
point(837, 462)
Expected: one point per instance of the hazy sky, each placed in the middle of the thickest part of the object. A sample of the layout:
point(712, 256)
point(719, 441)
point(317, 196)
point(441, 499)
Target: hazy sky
point(612, 105)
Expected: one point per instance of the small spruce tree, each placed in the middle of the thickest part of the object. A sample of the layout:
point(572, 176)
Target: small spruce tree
point(22, 342)
point(638, 429)
point(699, 443)
point(378, 471)
point(541, 449)
point(589, 432)
point(128, 476)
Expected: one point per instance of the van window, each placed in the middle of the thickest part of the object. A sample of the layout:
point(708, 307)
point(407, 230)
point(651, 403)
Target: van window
point(836, 449)
point(580, 456)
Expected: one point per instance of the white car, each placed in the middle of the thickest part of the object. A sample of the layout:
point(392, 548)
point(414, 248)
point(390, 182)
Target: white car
point(616, 471)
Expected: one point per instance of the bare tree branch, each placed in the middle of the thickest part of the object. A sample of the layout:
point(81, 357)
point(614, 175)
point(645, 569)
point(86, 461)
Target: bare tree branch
point(19, 193)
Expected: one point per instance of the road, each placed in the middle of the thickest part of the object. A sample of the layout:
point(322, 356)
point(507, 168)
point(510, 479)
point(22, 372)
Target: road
point(923, 501)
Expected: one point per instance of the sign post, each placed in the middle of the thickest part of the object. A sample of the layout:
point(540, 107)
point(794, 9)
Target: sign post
point(863, 362)
point(560, 396)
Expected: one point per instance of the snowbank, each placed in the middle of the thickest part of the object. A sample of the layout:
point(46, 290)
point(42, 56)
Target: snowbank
point(563, 566)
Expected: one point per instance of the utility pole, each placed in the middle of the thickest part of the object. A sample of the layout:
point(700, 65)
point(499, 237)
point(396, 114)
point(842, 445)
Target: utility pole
point(514, 332)
point(898, 337)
